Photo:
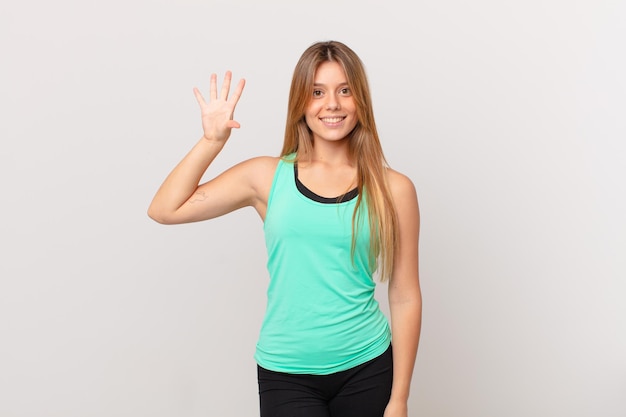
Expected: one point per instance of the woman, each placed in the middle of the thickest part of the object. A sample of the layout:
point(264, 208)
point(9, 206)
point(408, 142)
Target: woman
point(334, 213)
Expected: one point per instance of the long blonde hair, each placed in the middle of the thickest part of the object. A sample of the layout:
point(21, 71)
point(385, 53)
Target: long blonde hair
point(365, 148)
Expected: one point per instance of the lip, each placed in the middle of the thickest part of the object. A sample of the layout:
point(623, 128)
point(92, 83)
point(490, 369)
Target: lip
point(332, 121)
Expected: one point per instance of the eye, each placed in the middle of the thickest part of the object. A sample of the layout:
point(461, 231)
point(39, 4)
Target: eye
point(345, 91)
point(317, 93)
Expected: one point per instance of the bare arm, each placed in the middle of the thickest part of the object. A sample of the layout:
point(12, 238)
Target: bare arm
point(405, 299)
point(181, 199)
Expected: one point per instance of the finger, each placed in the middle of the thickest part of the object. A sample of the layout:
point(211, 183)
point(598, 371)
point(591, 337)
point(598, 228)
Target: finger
point(213, 86)
point(233, 124)
point(234, 98)
point(199, 97)
point(226, 85)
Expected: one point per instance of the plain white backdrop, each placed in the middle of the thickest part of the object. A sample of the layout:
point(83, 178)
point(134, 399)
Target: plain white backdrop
point(510, 117)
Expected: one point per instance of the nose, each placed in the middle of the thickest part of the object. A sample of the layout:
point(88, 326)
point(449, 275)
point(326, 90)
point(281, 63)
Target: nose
point(333, 103)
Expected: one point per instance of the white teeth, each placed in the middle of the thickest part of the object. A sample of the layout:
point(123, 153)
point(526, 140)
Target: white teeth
point(332, 119)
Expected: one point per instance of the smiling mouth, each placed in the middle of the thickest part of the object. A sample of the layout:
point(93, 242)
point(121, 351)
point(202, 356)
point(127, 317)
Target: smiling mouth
point(332, 120)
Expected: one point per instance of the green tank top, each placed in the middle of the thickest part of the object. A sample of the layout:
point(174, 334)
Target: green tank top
point(321, 315)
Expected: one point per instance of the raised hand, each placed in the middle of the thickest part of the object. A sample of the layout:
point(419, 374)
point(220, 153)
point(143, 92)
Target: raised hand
point(217, 114)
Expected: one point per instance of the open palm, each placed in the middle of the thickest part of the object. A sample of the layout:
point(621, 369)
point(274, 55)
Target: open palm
point(217, 114)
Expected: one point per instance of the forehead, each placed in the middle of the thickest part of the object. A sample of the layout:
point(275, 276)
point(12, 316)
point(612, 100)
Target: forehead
point(330, 72)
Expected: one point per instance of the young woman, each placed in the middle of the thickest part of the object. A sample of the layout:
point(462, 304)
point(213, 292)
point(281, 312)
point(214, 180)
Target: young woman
point(334, 213)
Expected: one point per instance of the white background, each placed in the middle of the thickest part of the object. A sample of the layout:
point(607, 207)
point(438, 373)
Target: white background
point(509, 116)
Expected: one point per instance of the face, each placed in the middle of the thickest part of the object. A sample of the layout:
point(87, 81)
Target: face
point(331, 111)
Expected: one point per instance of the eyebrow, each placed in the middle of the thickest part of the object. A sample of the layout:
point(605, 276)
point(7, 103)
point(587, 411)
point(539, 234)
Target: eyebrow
point(343, 84)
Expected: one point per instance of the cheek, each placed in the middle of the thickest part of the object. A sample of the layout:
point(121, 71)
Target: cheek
point(311, 112)
point(349, 105)
point(309, 119)
point(312, 108)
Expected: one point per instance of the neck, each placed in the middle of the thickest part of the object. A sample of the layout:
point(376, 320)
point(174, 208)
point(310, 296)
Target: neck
point(331, 153)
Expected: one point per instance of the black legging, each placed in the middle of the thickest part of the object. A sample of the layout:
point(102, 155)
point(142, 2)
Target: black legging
point(362, 391)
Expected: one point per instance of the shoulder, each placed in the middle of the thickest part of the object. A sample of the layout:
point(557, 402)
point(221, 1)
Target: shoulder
point(261, 163)
point(259, 166)
point(255, 172)
point(400, 185)
point(404, 196)
point(259, 171)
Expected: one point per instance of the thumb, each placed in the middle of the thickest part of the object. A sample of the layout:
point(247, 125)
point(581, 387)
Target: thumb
point(233, 124)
